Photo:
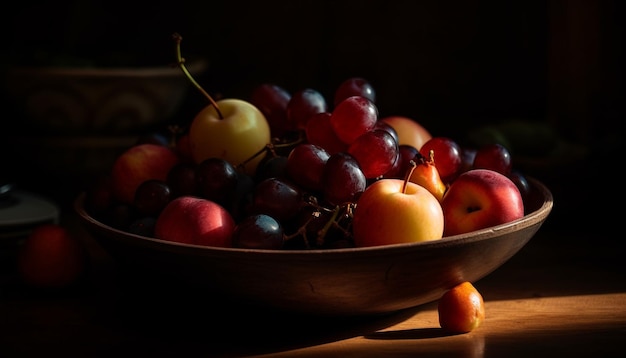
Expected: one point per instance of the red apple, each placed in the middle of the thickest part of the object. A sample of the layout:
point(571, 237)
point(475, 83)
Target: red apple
point(51, 257)
point(410, 132)
point(388, 212)
point(138, 164)
point(197, 221)
point(480, 198)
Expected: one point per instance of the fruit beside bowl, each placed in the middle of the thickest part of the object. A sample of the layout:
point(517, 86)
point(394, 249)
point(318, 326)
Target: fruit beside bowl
point(337, 282)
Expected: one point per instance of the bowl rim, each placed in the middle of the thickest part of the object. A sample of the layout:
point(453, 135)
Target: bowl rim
point(531, 218)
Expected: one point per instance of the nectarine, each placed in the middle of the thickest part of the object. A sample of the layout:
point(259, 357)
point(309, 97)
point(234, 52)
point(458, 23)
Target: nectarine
point(410, 132)
point(461, 309)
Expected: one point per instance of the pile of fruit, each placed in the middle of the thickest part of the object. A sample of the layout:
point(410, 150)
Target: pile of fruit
point(288, 170)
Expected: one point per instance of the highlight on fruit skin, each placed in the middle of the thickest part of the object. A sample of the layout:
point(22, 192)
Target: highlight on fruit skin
point(461, 309)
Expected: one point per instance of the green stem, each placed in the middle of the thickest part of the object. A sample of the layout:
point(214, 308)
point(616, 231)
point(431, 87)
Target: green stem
point(181, 64)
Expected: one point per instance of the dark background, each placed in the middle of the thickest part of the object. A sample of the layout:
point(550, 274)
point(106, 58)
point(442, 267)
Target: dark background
point(451, 65)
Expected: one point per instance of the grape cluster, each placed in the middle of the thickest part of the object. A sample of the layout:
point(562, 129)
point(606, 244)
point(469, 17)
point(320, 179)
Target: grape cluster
point(321, 158)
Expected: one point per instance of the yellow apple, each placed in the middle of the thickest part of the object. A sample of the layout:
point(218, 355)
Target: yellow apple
point(389, 213)
point(236, 134)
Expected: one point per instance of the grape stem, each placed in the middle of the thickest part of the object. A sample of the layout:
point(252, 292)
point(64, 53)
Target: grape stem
point(270, 147)
point(322, 233)
point(180, 61)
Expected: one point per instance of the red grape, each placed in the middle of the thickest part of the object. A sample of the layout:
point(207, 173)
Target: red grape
point(447, 156)
point(376, 152)
point(352, 117)
point(320, 132)
point(387, 127)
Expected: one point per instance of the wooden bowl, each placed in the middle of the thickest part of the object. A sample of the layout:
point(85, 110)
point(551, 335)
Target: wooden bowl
point(339, 282)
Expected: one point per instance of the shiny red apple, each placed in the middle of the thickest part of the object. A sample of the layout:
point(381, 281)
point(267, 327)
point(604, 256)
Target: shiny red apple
point(195, 220)
point(478, 199)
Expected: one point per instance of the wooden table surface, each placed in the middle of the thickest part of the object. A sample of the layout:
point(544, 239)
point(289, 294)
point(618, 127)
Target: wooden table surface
point(564, 293)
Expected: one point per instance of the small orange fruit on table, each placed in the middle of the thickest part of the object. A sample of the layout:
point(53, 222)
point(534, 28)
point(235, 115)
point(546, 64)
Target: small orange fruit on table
point(461, 309)
point(51, 257)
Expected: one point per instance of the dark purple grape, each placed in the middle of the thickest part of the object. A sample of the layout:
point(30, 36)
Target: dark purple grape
point(182, 179)
point(278, 198)
point(216, 180)
point(495, 157)
point(343, 180)
point(272, 101)
point(120, 216)
point(143, 226)
point(522, 183)
point(272, 166)
point(241, 199)
point(354, 86)
point(302, 105)
point(151, 197)
point(305, 165)
point(258, 231)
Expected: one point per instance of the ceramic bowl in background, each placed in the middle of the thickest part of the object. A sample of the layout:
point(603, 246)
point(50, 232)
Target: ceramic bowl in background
point(100, 101)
